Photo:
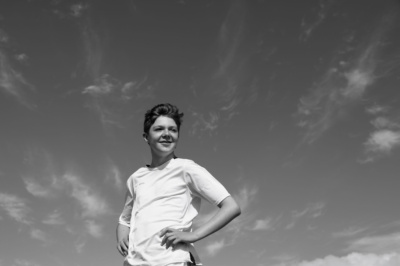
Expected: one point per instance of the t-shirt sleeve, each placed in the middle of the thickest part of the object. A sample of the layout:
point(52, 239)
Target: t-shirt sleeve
point(125, 217)
point(202, 184)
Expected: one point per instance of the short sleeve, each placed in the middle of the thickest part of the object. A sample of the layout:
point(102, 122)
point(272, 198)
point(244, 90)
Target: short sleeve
point(202, 184)
point(125, 217)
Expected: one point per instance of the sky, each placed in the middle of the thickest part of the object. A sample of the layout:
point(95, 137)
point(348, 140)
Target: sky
point(292, 105)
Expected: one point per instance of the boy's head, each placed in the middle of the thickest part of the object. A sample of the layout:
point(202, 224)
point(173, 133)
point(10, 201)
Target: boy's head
point(164, 109)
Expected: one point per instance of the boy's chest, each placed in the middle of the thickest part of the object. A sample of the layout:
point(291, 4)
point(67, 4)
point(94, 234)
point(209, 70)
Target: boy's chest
point(153, 186)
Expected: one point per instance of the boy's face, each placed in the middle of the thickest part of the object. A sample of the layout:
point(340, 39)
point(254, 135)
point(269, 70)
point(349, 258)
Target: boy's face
point(163, 136)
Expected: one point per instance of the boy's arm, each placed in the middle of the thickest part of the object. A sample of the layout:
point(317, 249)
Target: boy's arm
point(228, 210)
point(123, 239)
point(123, 226)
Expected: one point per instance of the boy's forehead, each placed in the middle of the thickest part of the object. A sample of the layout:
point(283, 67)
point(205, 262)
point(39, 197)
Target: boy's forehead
point(164, 120)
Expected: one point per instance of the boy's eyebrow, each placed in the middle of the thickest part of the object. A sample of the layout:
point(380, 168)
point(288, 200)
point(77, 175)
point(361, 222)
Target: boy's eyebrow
point(158, 126)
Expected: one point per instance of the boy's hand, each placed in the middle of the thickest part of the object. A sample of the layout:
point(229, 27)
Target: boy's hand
point(174, 236)
point(123, 246)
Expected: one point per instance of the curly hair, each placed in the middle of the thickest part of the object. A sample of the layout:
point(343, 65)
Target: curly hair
point(164, 109)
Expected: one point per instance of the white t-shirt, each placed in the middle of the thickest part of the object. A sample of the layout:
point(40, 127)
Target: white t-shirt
point(165, 196)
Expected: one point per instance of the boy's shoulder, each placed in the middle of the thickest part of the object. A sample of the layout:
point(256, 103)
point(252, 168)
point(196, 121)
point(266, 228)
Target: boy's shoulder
point(183, 162)
point(139, 172)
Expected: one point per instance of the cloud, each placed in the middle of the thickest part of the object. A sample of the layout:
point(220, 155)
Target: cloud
point(113, 175)
point(53, 218)
point(386, 134)
point(138, 90)
point(94, 229)
point(245, 197)
point(36, 189)
point(104, 85)
point(342, 86)
point(377, 109)
point(353, 259)
point(78, 9)
point(204, 124)
point(231, 36)
point(94, 45)
point(349, 232)
point(307, 27)
point(22, 262)
point(15, 207)
point(262, 225)
point(91, 202)
point(13, 83)
point(40, 174)
point(227, 80)
point(376, 244)
point(39, 235)
point(313, 210)
point(215, 247)
point(357, 82)
point(79, 245)
point(384, 122)
point(112, 99)
point(4, 38)
point(383, 141)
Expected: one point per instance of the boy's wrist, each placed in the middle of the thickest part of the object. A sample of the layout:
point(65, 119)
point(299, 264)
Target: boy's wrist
point(196, 235)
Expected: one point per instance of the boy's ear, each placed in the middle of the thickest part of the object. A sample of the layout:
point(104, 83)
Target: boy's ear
point(145, 137)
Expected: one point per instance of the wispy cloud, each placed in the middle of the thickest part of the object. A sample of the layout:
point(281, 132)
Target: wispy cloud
point(138, 90)
point(377, 109)
point(94, 229)
point(54, 218)
point(309, 25)
point(113, 175)
point(15, 207)
point(385, 137)
point(204, 123)
point(78, 9)
point(353, 259)
point(36, 189)
point(23, 262)
point(40, 235)
point(57, 184)
point(79, 245)
point(349, 232)
point(40, 173)
point(215, 247)
point(104, 85)
point(343, 85)
point(227, 82)
point(91, 202)
point(381, 142)
point(313, 210)
point(94, 45)
point(376, 244)
point(13, 82)
point(263, 224)
point(231, 36)
point(111, 99)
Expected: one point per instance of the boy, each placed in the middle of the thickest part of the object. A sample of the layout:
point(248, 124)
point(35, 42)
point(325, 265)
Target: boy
point(163, 198)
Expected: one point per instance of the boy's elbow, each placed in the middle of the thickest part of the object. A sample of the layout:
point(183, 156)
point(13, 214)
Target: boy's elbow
point(238, 211)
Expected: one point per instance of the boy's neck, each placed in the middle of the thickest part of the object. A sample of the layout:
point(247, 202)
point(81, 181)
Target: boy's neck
point(157, 160)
